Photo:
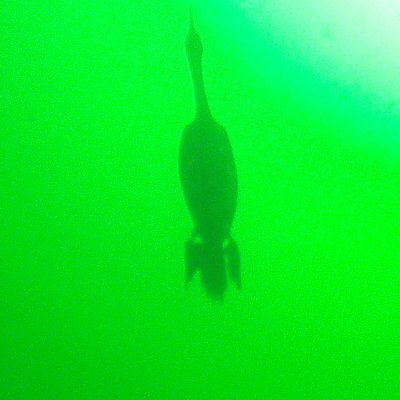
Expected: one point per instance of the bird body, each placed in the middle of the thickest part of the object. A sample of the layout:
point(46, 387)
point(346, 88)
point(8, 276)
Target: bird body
point(209, 180)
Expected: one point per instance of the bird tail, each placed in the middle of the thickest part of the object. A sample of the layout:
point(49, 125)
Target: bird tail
point(213, 262)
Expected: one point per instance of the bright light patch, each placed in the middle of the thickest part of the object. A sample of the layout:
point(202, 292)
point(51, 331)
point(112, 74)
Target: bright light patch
point(356, 43)
point(334, 56)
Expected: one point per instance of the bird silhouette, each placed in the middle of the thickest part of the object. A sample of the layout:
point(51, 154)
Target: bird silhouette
point(209, 181)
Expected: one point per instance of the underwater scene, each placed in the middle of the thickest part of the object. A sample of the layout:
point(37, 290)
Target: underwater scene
point(200, 200)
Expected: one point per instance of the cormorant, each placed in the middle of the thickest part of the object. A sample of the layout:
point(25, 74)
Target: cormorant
point(209, 180)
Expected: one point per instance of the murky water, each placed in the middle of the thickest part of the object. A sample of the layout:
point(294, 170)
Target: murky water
point(94, 98)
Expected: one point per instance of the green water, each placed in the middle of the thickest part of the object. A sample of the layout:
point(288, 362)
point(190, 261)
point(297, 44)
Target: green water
point(93, 100)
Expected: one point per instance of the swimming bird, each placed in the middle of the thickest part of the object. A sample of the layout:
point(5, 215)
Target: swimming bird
point(209, 179)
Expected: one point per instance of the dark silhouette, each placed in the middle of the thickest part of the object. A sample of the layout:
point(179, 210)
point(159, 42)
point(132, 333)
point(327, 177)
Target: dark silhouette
point(209, 180)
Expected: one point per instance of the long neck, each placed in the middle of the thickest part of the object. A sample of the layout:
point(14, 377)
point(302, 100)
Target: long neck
point(202, 107)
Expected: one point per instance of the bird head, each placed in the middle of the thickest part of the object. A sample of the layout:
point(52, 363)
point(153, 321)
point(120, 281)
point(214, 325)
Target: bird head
point(194, 47)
